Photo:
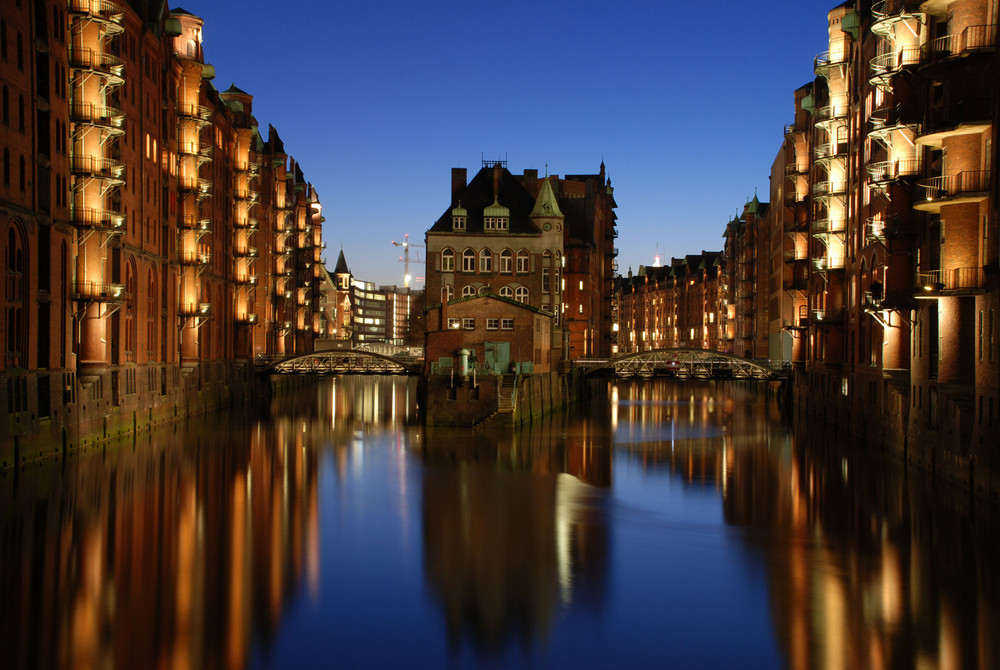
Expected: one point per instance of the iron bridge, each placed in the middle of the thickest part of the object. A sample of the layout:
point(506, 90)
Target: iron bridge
point(684, 364)
point(346, 362)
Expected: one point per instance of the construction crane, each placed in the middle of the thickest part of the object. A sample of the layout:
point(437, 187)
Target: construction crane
point(405, 258)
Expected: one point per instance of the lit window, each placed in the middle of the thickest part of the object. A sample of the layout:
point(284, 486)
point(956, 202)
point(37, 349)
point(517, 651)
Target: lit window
point(581, 284)
point(454, 324)
point(581, 308)
point(507, 324)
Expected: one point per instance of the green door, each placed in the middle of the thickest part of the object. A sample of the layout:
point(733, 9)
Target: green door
point(498, 357)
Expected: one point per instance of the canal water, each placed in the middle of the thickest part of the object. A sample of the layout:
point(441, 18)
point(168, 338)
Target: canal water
point(665, 524)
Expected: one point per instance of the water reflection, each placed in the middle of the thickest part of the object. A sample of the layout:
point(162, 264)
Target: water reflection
point(330, 525)
point(512, 531)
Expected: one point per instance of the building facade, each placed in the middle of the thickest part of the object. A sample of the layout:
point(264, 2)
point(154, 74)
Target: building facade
point(154, 242)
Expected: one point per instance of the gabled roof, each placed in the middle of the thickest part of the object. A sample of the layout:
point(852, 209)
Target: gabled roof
point(478, 195)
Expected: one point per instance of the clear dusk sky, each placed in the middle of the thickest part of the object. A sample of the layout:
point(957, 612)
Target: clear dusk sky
point(685, 102)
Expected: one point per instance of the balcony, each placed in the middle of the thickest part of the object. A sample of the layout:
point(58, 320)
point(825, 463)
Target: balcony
point(105, 220)
point(98, 168)
point(247, 319)
point(824, 116)
point(94, 291)
point(886, 13)
point(202, 150)
point(246, 166)
point(875, 230)
point(245, 193)
point(827, 188)
point(973, 38)
point(885, 66)
point(828, 315)
point(245, 252)
point(964, 187)
point(106, 117)
point(955, 281)
point(968, 116)
point(195, 223)
point(791, 129)
point(833, 150)
point(248, 223)
point(198, 258)
point(197, 112)
point(108, 12)
point(201, 187)
point(825, 63)
point(104, 64)
point(825, 264)
point(189, 309)
point(883, 172)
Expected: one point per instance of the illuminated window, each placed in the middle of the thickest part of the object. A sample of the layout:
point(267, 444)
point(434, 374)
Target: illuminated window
point(454, 324)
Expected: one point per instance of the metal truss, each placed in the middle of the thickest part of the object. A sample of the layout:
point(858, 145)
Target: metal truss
point(343, 362)
point(685, 364)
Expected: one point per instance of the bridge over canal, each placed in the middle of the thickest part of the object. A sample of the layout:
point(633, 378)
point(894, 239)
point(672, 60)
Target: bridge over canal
point(683, 363)
point(359, 361)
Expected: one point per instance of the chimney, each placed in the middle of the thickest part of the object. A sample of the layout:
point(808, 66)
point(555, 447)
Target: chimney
point(530, 182)
point(497, 171)
point(458, 183)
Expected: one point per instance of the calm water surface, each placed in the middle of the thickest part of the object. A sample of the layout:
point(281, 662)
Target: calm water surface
point(671, 524)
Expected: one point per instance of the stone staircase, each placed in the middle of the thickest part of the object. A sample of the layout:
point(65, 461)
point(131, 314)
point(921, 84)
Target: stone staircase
point(503, 417)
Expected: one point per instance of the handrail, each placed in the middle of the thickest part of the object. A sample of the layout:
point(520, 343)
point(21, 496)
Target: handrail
point(952, 46)
point(951, 279)
point(969, 181)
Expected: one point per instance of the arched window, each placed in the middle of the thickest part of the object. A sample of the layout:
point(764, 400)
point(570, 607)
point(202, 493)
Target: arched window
point(192, 49)
point(484, 290)
point(546, 272)
point(521, 294)
point(447, 293)
point(506, 261)
point(130, 320)
point(486, 261)
point(468, 291)
point(468, 261)
point(506, 292)
point(151, 315)
point(522, 262)
point(16, 298)
point(447, 260)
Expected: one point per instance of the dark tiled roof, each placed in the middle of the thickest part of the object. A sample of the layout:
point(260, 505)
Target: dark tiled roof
point(341, 268)
point(478, 195)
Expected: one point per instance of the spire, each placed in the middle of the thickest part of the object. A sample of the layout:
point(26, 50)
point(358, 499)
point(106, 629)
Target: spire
point(546, 206)
point(341, 268)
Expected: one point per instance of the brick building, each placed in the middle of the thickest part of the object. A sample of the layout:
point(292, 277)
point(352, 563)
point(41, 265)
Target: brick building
point(153, 241)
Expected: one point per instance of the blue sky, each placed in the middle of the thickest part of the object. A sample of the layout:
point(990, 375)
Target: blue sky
point(684, 101)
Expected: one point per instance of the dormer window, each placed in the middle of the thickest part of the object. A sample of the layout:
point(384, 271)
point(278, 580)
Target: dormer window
point(496, 223)
point(458, 216)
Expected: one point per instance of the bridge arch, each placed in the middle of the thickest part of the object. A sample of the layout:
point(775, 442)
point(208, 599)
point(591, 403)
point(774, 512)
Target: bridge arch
point(685, 363)
point(346, 361)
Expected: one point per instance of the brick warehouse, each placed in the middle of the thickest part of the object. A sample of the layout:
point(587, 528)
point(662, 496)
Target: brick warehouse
point(154, 241)
point(874, 268)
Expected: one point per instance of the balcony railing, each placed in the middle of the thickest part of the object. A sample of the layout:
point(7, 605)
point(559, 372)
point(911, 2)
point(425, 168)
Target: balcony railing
point(831, 150)
point(101, 10)
point(828, 225)
point(245, 252)
point(894, 61)
point(886, 171)
point(830, 113)
point(245, 193)
point(943, 117)
point(875, 230)
point(202, 149)
point(197, 184)
point(98, 167)
point(83, 58)
point(823, 263)
point(248, 223)
point(194, 257)
point(828, 315)
point(824, 62)
point(98, 115)
point(972, 38)
point(192, 111)
point(194, 309)
point(98, 291)
point(955, 279)
point(827, 187)
point(195, 223)
point(99, 219)
point(245, 318)
point(968, 182)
